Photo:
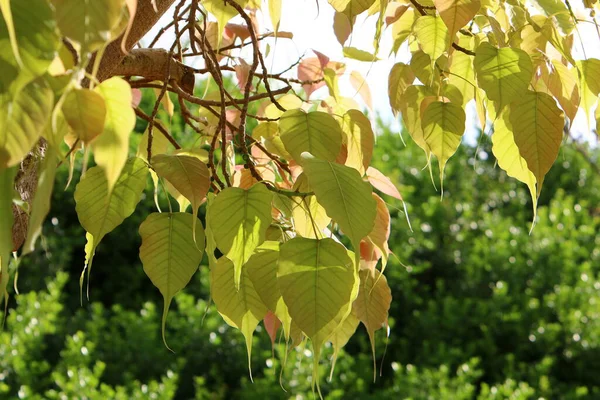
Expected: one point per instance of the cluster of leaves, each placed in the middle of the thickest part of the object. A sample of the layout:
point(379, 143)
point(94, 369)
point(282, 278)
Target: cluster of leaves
point(284, 200)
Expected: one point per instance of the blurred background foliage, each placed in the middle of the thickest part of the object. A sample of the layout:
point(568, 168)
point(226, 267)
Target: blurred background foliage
point(481, 309)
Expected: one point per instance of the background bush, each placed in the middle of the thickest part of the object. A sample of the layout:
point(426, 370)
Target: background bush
point(482, 309)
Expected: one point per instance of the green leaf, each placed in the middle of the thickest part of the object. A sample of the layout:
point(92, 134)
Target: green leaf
point(410, 108)
point(360, 140)
point(316, 132)
point(7, 188)
point(275, 13)
point(359, 55)
point(537, 127)
point(223, 12)
point(590, 69)
point(240, 306)
point(345, 196)
point(562, 83)
point(509, 159)
point(457, 13)
point(372, 305)
point(504, 73)
point(239, 220)
point(557, 9)
point(188, 175)
point(90, 23)
point(443, 127)
point(160, 145)
point(85, 112)
point(400, 78)
point(341, 336)
point(98, 210)
point(316, 278)
point(432, 35)
point(462, 75)
point(111, 147)
point(23, 119)
point(169, 255)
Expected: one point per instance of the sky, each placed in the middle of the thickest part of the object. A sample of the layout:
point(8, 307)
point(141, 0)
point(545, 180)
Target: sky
point(312, 27)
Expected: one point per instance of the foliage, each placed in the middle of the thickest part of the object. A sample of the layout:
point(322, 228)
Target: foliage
point(275, 166)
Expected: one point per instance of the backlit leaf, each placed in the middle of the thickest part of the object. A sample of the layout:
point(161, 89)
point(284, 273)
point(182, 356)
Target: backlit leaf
point(341, 336)
point(359, 83)
point(411, 114)
point(315, 132)
point(85, 112)
point(400, 78)
point(239, 220)
point(360, 140)
point(169, 255)
point(383, 183)
point(359, 55)
point(7, 185)
point(380, 233)
point(275, 13)
point(456, 13)
point(342, 28)
point(432, 35)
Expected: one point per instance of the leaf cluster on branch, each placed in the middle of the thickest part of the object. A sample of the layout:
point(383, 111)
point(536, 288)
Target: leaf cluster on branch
point(285, 177)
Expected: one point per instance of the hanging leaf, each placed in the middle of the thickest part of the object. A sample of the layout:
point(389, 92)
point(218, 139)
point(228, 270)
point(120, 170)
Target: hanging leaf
point(462, 74)
point(314, 132)
point(85, 112)
point(239, 220)
point(456, 13)
point(509, 159)
point(342, 27)
point(504, 73)
point(275, 13)
point(169, 255)
point(341, 336)
point(188, 175)
point(345, 196)
point(411, 114)
point(372, 305)
point(380, 233)
point(160, 145)
point(590, 69)
point(383, 183)
point(238, 303)
point(359, 83)
point(402, 28)
point(7, 186)
point(309, 217)
point(23, 119)
point(111, 147)
point(432, 35)
point(557, 9)
point(400, 78)
point(360, 140)
point(443, 127)
point(359, 55)
point(562, 83)
point(537, 127)
point(223, 12)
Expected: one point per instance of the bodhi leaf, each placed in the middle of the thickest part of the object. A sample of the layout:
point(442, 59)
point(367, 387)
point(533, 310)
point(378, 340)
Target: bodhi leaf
point(443, 127)
point(383, 183)
point(537, 127)
point(509, 159)
point(188, 175)
point(223, 12)
point(309, 217)
point(359, 55)
point(22, 120)
point(432, 35)
point(160, 144)
point(111, 147)
point(360, 140)
point(316, 132)
point(400, 78)
point(380, 233)
point(7, 178)
point(590, 69)
point(239, 220)
point(345, 196)
point(99, 211)
point(341, 336)
point(372, 304)
point(239, 304)
point(504, 73)
point(85, 112)
point(562, 83)
point(169, 255)
point(411, 114)
point(456, 13)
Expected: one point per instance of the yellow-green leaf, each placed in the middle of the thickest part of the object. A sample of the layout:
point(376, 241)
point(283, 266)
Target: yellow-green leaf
point(360, 140)
point(504, 73)
point(316, 132)
point(111, 147)
point(400, 78)
point(562, 83)
point(456, 13)
point(410, 107)
point(239, 220)
point(443, 127)
point(359, 55)
point(85, 112)
point(7, 188)
point(344, 195)
point(537, 127)
point(22, 121)
point(223, 12)
point(380, 233)
point(432, 35)
point(160, 145)
point(590, 69)
point(557, 9)
point(169, 255)
point(341, 336)
point(275, 13)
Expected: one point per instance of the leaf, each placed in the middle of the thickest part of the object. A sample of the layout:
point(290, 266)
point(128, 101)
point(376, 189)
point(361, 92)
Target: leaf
point(509, 159)
point(359, 55)
point(562, 83)
point(590, 69)
point(169, 255)
point(309, 217)
point(359, 83)
point(342, 27)
point(462, 75)
point(372, 305)
point(239, 220)
point(275, 13)
point(23, 118)
point(85, 112)
point(316, 132)
point(93, 24)
point(316, 278)
point(537, 127)
point(7, 186)
point(402, 28)
point(29, 40)
point(411, 114)
point(432, 35)
point(400, 78)
point(111, 147)
point(557, 9)
point(160, 145)
point(380, 233)
point(443, 127)
point(238, 303)
point(188, 175)
point(457, 13)
point(341, 336)
point(223, 12)
point(504, 73)
point(360, 140)
point(383, 183)
point(345, 196)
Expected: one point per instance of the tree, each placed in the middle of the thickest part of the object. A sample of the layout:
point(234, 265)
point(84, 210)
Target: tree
point(292, 230)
